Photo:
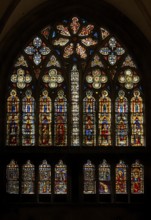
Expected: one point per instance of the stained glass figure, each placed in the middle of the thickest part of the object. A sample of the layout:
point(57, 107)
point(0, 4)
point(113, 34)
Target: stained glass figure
point(60, 127)
point(53, 78)
point(60, 178)
point(96, 78)
point(28, 178)
point(45, 119)
point(104, 121)
point(12, 176)
point(44, 178)
point(137, 120)
point(37, 50)
point(28, 115)
point(137, 178)
point(89, 120)
point(121, 178)
point(121, 119)
point(75, 112)
point(13, 117)
point(89, 178)
point(104, 178)
point(22, 78)
point(129, 78)
point(112, 51)
point(76, 38)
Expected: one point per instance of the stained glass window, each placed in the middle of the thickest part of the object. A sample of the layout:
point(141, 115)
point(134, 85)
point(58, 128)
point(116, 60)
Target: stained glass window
point(75, 84)
point(121, 119)
point(89, 120)
point(45, 119)
point(28, 119)
point(13, 118)
point(60, 178)
point(44, 178)
point(121, 178)
point(28, 178)
point(89, 178)
point(60, 128)
point(12, 175)
point(137, 178)
point(74, 63)
point(104, 178)
point(104, 120)
point(137, 136)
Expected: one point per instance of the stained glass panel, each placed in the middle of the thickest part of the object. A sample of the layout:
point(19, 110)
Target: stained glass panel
point(45, 119)
point(12, 176)
point(28, 118)
point(76, 38)
point(28, 178)
point(89, 120)
point(75, 112)
point(121, 119)
point(137, 122)
point(121, 178)
point(137, 178)
point(13, 117)
point(104, 178)
point(44, 178)
point(104, 120)
point(60, 127)
point(112, 51)
point(60, 178)
point(37, 50)
point(89, 178)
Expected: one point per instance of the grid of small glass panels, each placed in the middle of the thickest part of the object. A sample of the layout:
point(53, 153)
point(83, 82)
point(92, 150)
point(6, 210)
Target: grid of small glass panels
point(83, 71)
point(60, 179)
point(105, 178)
point(44, 178)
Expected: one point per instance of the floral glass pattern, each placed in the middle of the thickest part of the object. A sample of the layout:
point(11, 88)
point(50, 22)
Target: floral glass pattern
point(53, 78)
point(22, 78)
point(12, 176)
point(37, 50)
point(76, 38)
point(89, 178)
point(129, 78)
point(60, 178)
point(28, 178)
point(44, 178)
point(112, 51)
point(96, 78)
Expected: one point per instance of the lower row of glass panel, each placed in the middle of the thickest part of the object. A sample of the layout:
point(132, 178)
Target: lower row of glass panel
point(60, 179)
